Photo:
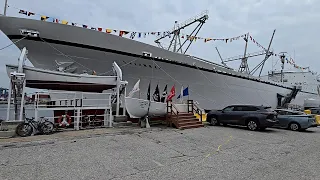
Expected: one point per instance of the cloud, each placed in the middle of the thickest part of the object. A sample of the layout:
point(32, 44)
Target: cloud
point(295, 21)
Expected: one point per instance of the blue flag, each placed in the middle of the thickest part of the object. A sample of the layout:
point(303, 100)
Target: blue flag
point(185, 92)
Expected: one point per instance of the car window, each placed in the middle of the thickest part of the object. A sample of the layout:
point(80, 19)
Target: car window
point(229, 108)
point(280, 112)
point(251, 108)
point(289, 113)
point(238, 108)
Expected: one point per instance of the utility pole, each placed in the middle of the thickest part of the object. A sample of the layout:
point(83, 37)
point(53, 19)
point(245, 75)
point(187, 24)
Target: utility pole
point(5, 7)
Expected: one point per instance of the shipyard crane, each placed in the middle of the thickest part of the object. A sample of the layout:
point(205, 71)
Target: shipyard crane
point(175, 42)
point(244, 68)
point(222, 61)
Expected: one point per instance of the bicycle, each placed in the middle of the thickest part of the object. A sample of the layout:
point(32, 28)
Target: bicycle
point(43, 126)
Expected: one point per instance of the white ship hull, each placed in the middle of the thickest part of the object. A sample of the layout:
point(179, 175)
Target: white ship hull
point(213, 86)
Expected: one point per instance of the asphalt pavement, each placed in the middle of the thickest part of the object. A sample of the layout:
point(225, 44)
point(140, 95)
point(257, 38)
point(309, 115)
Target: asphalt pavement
point(165, 153)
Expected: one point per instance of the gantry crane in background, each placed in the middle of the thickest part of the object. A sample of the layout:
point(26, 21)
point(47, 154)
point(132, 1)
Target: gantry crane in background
point(175, 33)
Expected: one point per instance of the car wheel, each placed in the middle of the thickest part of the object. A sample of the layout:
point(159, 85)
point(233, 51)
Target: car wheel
point(214, 121)
point(252, 125)
point(294, 126)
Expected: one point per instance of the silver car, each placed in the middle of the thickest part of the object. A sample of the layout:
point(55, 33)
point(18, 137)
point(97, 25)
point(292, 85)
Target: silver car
point(294, 120)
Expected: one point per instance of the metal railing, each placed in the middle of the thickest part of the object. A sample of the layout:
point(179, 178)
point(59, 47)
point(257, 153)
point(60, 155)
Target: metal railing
point(78, 102)
point(75, 100)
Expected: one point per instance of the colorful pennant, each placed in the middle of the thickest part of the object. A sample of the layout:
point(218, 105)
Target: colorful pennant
point(259, 45)
point(132, 34)
point(290, 60)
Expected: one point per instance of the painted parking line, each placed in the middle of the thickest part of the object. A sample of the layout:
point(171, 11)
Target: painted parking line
point(158, 163)
point(218, 149)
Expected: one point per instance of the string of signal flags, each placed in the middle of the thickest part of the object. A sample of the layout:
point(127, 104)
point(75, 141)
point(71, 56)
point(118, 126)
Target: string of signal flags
point(290, 60)
point(126, 33)
point(135, 34)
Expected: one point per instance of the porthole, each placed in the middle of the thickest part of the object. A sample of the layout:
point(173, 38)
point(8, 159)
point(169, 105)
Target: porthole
point(150, 66)
point(145, 65)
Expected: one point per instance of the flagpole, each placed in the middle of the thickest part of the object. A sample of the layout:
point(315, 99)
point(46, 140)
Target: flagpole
point(5, 7)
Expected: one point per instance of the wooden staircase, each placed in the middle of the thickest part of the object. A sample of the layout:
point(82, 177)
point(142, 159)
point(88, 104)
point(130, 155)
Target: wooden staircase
point(186, 121)
point(183, 120)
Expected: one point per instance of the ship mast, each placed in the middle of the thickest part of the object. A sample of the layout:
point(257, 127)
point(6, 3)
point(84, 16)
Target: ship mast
point(244, 67)
point(175, 43)
point(5, 7)
point(282, 57)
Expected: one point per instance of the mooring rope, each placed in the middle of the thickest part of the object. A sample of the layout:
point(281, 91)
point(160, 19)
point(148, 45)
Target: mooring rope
point(12, 43)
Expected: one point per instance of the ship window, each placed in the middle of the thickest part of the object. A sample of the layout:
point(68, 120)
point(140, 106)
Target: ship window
point(146, 54)
point(145, 65)
point(150, 66)
point(139, 64)
point(285, 80)
point(135, 63)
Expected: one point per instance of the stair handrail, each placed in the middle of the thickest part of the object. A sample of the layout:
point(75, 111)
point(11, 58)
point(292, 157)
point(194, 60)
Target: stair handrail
point(195, 108)
point(170, 107)
point(198, 109)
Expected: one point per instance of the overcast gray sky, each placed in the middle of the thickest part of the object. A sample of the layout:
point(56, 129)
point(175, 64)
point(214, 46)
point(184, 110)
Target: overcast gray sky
point(295, 21)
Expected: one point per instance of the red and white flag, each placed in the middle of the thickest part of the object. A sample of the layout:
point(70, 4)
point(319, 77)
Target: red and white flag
point(171, 94)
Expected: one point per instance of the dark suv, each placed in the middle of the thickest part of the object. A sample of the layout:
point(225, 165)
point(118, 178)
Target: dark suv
point(254, 117)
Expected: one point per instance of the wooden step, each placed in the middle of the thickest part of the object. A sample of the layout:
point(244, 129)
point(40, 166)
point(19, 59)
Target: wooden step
point(191, 126)
point(188, 118)
point(183, 123)
point(184, 116)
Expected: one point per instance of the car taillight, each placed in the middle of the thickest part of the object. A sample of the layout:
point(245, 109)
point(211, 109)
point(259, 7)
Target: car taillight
point(270, 115)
